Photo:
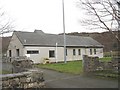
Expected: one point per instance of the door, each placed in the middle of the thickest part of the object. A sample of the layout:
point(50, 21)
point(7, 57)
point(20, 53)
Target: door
point(17, 53)
point(10, 53)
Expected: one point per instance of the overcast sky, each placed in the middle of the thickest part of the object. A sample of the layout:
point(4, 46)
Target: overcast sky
point(45, 15)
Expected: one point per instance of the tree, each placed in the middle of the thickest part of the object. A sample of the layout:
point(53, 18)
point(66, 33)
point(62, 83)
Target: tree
point(5, 27)
point(104, 14)
point(5, 23)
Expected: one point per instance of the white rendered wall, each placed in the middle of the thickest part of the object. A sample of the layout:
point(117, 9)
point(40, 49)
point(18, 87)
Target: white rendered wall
point(44, 53)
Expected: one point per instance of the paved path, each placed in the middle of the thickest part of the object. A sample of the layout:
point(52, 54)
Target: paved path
point(55, 79)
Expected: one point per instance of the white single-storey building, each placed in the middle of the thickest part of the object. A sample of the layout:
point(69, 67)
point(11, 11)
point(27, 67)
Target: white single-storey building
point(38, 45)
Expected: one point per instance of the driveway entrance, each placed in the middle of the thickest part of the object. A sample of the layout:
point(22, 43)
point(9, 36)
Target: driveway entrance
point(54, 79)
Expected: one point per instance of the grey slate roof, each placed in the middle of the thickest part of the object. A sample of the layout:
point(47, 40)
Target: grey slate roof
point(43, 39)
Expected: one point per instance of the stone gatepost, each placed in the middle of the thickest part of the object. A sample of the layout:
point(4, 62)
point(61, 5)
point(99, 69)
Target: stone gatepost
point(90, 63)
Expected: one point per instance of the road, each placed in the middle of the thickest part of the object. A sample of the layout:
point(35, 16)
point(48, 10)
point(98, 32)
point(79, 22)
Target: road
point(54, 79)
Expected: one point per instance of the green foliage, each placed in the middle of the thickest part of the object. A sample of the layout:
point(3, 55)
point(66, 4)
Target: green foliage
point(74, 67)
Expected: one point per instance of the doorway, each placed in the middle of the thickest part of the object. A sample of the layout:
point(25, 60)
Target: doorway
point(17, 53)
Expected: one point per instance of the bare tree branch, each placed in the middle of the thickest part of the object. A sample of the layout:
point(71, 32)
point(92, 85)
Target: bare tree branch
point(5, 24)
point(105, 14)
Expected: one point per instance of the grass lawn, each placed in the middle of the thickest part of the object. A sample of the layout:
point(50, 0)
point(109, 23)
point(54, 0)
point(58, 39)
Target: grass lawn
point(106, 59)
point(74, 67)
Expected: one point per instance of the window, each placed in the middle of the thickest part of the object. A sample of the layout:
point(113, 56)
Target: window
point(74, 53)
point(32, 52)
point(90, 51)
point(79, 52)
point(94, 51)
point(66, 52)
point(51, 53)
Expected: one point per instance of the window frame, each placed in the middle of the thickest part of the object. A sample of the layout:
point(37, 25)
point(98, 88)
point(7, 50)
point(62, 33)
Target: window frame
point(51, 53)
point(66, 52)
point(95, 51)
point(79, 51)
point(32, 51)
point(74, 52)
point(91, 52)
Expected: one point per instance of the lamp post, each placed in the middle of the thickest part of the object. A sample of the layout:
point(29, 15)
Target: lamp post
point(64, 31)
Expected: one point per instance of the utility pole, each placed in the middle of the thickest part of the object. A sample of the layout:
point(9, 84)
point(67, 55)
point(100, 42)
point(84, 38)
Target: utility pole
point(56, 53)
point(64, 32)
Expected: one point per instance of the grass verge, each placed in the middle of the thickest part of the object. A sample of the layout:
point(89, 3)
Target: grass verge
point(75, 67)
point(107, 74)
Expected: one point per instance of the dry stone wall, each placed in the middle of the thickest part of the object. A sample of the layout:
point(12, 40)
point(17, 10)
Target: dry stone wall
point(21, 65)
point(30, 79)
point(91, 64)
point(17, 65)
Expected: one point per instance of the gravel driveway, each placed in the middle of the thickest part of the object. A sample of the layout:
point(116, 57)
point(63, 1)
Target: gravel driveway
point(54, 79)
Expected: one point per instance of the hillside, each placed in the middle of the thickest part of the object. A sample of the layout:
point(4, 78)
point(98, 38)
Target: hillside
point(105, 38)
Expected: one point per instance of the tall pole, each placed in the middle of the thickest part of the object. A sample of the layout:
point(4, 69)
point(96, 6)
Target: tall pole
point(56, 53)
point(64, 31)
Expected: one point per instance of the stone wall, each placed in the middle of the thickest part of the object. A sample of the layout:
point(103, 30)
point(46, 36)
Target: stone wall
point(30, 79)
point(21, 65)
point(91, 64)
point(17, 66)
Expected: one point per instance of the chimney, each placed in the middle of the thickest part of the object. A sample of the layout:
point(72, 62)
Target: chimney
point(39, 31)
